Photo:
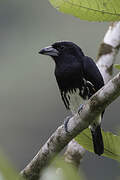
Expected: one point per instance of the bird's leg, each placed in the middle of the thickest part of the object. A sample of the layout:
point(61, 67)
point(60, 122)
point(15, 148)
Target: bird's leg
point(80, 108)
point(66, 122)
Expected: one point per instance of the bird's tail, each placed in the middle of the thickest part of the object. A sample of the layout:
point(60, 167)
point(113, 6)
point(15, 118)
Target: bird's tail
point(97, 139)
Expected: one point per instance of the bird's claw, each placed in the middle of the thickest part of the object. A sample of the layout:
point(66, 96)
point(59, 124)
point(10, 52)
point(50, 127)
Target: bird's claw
point(80, 108)
point(66, 123)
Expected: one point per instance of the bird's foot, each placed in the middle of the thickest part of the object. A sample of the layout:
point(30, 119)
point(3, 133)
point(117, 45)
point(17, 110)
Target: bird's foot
point(80, 108)
point(66, 123)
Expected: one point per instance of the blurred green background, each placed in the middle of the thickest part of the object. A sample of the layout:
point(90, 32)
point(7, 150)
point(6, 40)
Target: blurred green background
point(30, 104)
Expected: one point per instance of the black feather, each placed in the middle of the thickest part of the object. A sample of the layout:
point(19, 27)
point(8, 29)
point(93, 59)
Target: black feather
point(78, 79)
point(97, 140)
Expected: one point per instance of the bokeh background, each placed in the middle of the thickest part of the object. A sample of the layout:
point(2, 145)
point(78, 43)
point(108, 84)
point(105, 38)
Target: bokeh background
point(30, 104)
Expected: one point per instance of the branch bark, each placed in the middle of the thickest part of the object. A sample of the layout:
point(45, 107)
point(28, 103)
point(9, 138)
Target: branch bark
point(77, 124)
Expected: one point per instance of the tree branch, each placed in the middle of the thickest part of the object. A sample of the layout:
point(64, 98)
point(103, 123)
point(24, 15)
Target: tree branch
point(77, 124)
point(108, 51)
point(74, 153)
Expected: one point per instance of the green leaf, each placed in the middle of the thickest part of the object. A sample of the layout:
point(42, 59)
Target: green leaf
point(91, 10)
point(117, 66)
point(111, 143)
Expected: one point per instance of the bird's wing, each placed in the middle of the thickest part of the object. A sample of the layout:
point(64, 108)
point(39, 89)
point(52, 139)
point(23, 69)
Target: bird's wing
point(92, 73)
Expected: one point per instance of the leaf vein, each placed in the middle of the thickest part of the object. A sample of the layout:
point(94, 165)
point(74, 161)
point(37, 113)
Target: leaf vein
point(91, 9)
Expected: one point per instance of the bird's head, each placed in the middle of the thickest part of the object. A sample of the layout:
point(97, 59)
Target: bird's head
point(62, 49)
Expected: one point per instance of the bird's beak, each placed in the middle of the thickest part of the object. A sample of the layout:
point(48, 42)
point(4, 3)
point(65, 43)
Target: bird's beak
point(49, 51)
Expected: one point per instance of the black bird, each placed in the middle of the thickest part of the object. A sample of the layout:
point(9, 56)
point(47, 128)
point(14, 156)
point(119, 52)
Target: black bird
point(78, 79)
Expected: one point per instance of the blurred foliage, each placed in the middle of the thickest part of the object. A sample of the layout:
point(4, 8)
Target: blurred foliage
point(60, 170)
point(117, 66)
point(7, 171)
point(111, 143)
point(94, 10)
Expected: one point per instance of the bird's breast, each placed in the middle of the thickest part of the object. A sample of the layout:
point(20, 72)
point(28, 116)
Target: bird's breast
point(77, 94)
point(73, 98)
